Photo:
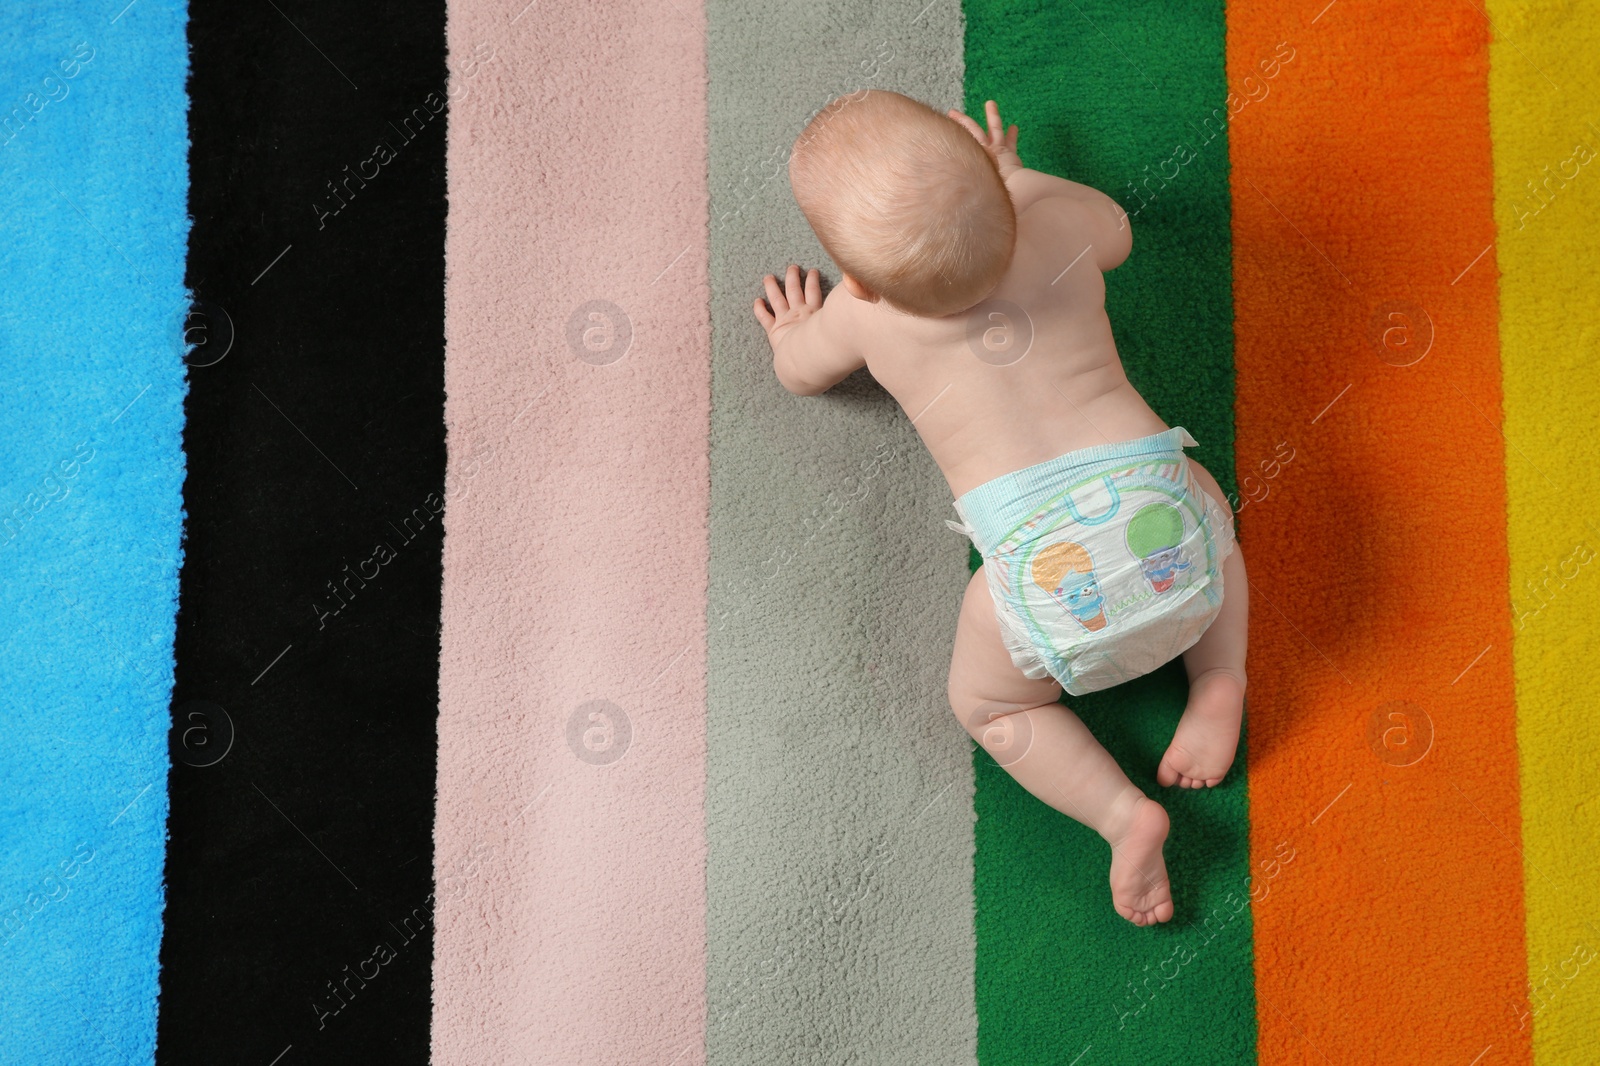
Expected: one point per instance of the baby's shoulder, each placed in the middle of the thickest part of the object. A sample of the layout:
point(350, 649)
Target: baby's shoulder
point(1062, 221)
point(1053, 214)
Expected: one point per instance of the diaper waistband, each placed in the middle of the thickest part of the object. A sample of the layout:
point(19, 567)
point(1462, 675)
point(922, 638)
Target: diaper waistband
point(992, 510)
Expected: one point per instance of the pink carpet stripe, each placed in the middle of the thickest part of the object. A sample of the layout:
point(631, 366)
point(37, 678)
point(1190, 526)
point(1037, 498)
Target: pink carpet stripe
point(570, 842)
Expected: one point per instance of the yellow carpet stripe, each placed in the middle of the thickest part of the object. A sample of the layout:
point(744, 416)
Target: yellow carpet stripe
point(1544, 108)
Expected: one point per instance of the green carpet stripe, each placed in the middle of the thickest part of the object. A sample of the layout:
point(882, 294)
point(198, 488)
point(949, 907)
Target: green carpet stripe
point(1107, 95)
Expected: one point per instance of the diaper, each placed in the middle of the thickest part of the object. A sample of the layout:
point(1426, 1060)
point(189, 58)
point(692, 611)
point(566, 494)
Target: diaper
point(1103, 563)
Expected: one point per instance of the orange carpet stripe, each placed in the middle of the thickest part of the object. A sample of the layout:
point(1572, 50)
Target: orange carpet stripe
point(1382, 760)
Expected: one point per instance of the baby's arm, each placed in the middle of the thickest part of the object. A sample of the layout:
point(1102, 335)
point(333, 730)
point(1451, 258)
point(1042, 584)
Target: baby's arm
point(1027, 187)
point(1030, 186)
point(1097, 214)
point(811, 353)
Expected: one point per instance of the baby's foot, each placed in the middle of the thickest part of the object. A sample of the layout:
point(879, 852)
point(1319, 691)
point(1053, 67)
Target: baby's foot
point(1139, 888)
point(1202, 749)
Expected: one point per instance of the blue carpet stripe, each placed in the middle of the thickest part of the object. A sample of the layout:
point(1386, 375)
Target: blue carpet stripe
point(93, 229)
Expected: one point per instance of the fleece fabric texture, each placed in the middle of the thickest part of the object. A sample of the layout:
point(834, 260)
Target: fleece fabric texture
point(1383, 758)
point(570, 840)
point(681, 693)
point(1105, 95)
point(838, 783)
point(299, 918)
point(92, 184)
point(1544, 77)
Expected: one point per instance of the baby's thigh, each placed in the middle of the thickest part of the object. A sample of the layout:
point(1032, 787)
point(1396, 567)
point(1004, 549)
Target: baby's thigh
point(983, 679)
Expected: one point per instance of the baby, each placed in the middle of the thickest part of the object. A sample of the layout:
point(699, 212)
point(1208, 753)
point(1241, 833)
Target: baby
point(971, 289)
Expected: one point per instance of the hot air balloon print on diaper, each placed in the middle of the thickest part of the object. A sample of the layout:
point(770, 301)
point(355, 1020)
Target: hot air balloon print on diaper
point(1065, 571)
point(1154, 536)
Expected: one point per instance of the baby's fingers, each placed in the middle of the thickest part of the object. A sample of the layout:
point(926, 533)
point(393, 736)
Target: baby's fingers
point(793, 289)
point(969, 125)
point(764, 316)
point(814, 288)
point(991, 111)
point(775, 295)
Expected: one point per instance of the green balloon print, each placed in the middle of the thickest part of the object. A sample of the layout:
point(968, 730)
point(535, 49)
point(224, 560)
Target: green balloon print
point(1157, 526)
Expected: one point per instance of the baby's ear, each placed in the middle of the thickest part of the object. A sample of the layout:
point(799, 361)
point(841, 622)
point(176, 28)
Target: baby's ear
point(858, 290)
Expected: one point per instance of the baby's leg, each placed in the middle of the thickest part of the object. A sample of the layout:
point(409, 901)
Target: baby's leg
point(1207, 737)
point(1053, 755)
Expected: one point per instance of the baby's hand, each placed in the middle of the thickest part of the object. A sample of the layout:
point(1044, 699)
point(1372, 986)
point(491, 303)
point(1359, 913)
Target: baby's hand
point(998, 142)
point(788, 311)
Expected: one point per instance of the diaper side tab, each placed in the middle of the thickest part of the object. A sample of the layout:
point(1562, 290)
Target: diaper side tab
point(966, 528)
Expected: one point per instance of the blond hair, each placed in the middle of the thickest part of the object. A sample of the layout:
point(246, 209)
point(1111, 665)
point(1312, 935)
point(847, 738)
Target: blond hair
point(905, 201)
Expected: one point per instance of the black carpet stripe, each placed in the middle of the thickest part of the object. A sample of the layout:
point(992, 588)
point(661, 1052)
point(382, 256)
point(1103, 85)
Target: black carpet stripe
point(299, 870)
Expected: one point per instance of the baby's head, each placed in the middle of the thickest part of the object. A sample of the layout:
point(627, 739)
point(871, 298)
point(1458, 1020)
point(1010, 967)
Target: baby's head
point(906, 201)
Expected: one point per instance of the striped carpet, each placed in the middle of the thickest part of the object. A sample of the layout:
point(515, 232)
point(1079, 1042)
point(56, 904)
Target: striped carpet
point(448, 642)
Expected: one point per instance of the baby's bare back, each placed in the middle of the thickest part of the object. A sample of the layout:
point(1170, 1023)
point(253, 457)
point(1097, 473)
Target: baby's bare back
point(1031, 373)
